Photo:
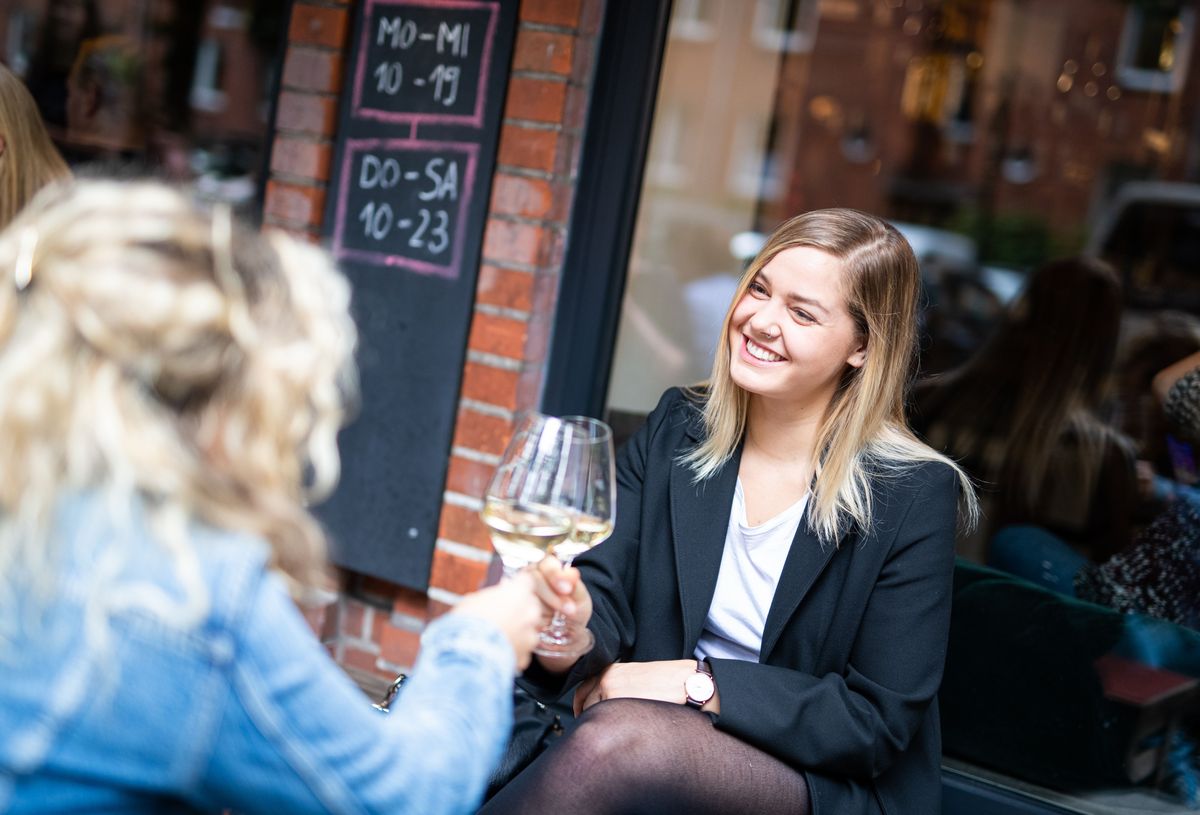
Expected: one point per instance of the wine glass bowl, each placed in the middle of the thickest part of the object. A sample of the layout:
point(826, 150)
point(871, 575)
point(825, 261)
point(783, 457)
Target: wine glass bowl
point(523, 507)
point(590, 498)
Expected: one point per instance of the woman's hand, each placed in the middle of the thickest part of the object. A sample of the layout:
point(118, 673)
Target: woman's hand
point(641, 680)
point(516, 607)
point(561, 590)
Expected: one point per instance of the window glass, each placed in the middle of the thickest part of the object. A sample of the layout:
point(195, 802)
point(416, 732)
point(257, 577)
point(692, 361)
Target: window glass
point(173, 87)
point(1011, 143)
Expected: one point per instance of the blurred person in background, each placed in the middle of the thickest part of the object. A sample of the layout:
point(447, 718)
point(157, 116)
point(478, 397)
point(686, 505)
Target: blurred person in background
point(28, 159)
point(1022, 416)
point(173, 388)
point(65, 26)
point(106, 115)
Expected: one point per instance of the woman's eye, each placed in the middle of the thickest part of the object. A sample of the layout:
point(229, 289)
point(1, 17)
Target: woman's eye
point(803, 316)
point(758, 288)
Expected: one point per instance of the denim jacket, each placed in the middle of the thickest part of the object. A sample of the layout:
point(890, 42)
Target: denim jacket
point(117, 710)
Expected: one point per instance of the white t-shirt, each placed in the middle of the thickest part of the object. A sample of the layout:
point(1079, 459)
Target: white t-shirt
point(750, 567)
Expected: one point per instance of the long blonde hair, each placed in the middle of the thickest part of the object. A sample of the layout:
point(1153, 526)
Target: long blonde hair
point(150, 350)
point(863, 434)
point(30, 160)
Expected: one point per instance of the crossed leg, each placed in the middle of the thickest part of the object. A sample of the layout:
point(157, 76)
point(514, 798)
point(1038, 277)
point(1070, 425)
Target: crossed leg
point(630, 756)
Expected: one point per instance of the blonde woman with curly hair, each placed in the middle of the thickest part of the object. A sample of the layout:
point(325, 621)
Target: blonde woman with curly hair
point(173, 385)
point(772, 611)
point(28, 159)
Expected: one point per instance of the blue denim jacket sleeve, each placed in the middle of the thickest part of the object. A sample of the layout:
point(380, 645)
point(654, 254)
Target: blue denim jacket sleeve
point(297, 736)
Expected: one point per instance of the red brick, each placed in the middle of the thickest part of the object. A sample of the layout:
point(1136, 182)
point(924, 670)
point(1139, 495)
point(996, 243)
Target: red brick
point(411, 603)
point(566, 160)
point(504, 288)
point(305, 159)
point(377, 620)
point(353, 614)
point(468, 477)
point(518, 195)
point(288, 202)
point(462, 525)
point(544, 51)
point(501, 336)
point(538, 100)
point(529, 388)
point(437, 609)
point(399, 646)
point(320, 620)
point(512, 242)
point(306, 113)
point(315, 25)
point(591, 17)
point(575, 109)
point(562, 194)
point(307, 69)
point(537, 348)
point(479, 431)
point(456, 574)
point(353, 657)
point(583, 61)
point(552, 250)
point(550, 12)
point(526, 148)
point(493, 386)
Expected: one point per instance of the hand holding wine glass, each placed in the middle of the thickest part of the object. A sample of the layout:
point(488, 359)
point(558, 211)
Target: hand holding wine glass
point(590, 498)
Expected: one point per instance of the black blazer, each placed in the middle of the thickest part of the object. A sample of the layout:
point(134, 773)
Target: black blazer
point(854, 642)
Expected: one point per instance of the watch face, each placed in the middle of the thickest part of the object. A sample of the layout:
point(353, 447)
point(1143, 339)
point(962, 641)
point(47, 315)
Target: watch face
point(699, 687)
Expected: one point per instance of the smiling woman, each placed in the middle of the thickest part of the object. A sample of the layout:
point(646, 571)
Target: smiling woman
point(789, 478)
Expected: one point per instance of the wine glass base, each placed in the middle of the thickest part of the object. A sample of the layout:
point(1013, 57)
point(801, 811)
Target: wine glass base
point(572, 640)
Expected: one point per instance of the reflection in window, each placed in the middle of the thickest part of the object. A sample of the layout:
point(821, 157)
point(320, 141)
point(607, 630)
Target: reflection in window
point(1155, 46)
point(999, 137)
point(667, 163)
point(693, 19)
point(206, 86)
point(785, 25)
point(174, 87)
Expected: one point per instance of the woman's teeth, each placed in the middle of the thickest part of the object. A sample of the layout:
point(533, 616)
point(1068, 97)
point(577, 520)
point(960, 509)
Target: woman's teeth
point(758, 352)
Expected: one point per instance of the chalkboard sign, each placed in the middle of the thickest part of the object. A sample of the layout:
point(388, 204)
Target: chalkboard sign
point(412, 171)
point(404, 203)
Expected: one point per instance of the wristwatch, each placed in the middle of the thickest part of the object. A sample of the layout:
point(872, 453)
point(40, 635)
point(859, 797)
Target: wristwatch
point(700, 686)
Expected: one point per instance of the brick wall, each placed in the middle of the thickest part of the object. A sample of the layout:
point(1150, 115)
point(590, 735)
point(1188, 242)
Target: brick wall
point(374, 626)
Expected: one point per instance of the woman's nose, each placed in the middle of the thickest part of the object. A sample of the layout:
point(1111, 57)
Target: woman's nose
point(763, 324)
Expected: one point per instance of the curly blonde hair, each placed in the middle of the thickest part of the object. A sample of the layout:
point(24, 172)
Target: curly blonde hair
point(169, 355)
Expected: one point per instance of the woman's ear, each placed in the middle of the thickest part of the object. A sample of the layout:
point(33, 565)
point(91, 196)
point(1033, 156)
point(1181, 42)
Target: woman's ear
point(858, 357)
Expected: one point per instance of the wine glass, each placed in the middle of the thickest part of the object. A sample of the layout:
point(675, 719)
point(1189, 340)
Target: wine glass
point(525, 506)
point(590, 498)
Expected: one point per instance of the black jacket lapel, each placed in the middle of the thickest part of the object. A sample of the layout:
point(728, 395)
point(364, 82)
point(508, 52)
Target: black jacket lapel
point(805, 562)
point(699, 520)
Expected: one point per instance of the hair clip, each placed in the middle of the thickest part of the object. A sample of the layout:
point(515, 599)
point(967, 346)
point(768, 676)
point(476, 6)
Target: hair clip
point(23, 274)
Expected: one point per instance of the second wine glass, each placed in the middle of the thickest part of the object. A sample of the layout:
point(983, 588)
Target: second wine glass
point(589, 495)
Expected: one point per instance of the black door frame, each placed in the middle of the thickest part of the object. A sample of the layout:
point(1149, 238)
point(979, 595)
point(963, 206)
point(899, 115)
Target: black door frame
point(617, 134)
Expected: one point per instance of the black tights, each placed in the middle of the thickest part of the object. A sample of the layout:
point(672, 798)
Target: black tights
point(631, 756)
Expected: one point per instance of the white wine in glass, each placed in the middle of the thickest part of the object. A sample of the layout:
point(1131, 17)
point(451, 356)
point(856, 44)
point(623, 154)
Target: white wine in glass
point(524, 507)
point(586, 532)
point(522, 534)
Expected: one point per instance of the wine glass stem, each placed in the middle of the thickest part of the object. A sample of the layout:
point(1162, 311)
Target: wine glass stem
point(510, 570)
point(558, 623)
